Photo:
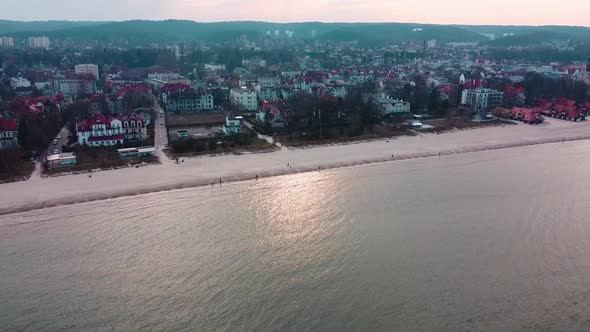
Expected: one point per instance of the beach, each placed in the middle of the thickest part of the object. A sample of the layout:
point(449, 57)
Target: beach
point(40, 192)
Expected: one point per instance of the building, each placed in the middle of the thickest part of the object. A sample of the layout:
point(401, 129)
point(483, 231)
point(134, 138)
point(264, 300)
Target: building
point(481, 100)
point(246, 63)
point(75, 86)
point(136, 153)
point(244, 98)
point(87, 69)
point(8, 134)
point(19, 82)
point(268, 113)
point(100, 130)
point(214, 66)
point(134, 128)
point(61, 160)
point(393, 106)
point(267, 92)
point(190, 100)
point(233, 125)
point(39, 42)
point(6, 41)
point(163, 75)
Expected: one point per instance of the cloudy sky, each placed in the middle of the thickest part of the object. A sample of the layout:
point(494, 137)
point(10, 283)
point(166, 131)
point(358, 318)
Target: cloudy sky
point(521, 12)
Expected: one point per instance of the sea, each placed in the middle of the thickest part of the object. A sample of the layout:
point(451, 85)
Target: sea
point(484, 241)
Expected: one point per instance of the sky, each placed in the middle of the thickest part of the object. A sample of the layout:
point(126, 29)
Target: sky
point(502, 12)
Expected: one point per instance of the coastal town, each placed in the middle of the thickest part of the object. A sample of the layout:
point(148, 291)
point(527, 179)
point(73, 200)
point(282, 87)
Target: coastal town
point(78, 109)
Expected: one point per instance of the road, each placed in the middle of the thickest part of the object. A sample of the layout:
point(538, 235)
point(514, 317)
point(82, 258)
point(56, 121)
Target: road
point(62, 139)
point(267, 138)
point(160, 133)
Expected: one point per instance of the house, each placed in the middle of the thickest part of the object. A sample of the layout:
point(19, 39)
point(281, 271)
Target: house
point(268, 113)
point(134, 127)
point(244, 98)
point(19, 82)
point(233, 125)
point(61, 160)
point(190, 100)
point(393, 106)
point(8, 133)
point(100, 130)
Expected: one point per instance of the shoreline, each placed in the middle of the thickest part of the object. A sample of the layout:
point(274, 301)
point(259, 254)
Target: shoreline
point(39, 193)
point(233, 178)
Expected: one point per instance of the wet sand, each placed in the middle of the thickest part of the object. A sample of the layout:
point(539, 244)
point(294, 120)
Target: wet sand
point(54, 191)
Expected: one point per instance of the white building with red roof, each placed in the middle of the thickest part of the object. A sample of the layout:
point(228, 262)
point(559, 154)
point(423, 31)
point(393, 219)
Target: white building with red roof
point(106, 130)
point(100, 130)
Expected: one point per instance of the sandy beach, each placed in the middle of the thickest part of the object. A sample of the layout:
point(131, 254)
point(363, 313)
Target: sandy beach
point(40, 192)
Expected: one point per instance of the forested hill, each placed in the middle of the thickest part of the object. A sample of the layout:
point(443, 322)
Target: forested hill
point(11, 27)
point(139, 31)
point(175, 30)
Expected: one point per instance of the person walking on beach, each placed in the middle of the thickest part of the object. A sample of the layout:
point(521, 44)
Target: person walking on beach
point(220, 182)
point(256, 177)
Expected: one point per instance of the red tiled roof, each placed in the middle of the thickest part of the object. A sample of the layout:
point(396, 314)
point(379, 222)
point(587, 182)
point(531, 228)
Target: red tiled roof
point(8, 125)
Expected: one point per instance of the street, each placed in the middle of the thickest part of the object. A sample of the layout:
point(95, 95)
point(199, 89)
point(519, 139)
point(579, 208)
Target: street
point(61, 138)
point(160, 133)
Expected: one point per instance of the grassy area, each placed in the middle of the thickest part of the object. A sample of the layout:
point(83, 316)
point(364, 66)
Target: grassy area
point(444, 125)
point(378, 132)
point(14, 167)
point(91, 159)
point(255, 146)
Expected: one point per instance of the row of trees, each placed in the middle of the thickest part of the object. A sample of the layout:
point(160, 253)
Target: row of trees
point(539, 86)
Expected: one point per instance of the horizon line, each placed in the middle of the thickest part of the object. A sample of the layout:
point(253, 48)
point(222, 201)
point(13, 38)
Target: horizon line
point(291, 22)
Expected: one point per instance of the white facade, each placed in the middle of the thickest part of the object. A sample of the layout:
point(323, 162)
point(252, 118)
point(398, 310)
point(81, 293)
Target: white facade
point(39, 42)
point(163, 76)
point(6, 41)
point(244, 98)
point(392, 105)
point(61, 160)
point(75, 87)
point(253, 62)
point(214, 66)
point(19, 82)
point(87, 68)
point(233, 125)
point(100, 131)
point(482, 99)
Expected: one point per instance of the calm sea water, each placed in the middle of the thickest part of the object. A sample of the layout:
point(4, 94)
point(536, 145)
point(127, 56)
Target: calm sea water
point(494, 241)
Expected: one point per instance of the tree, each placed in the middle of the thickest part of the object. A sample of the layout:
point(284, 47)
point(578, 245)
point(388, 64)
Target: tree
point(4, 90)
point(434, 102)
point(11, 70)
point(23, 131)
